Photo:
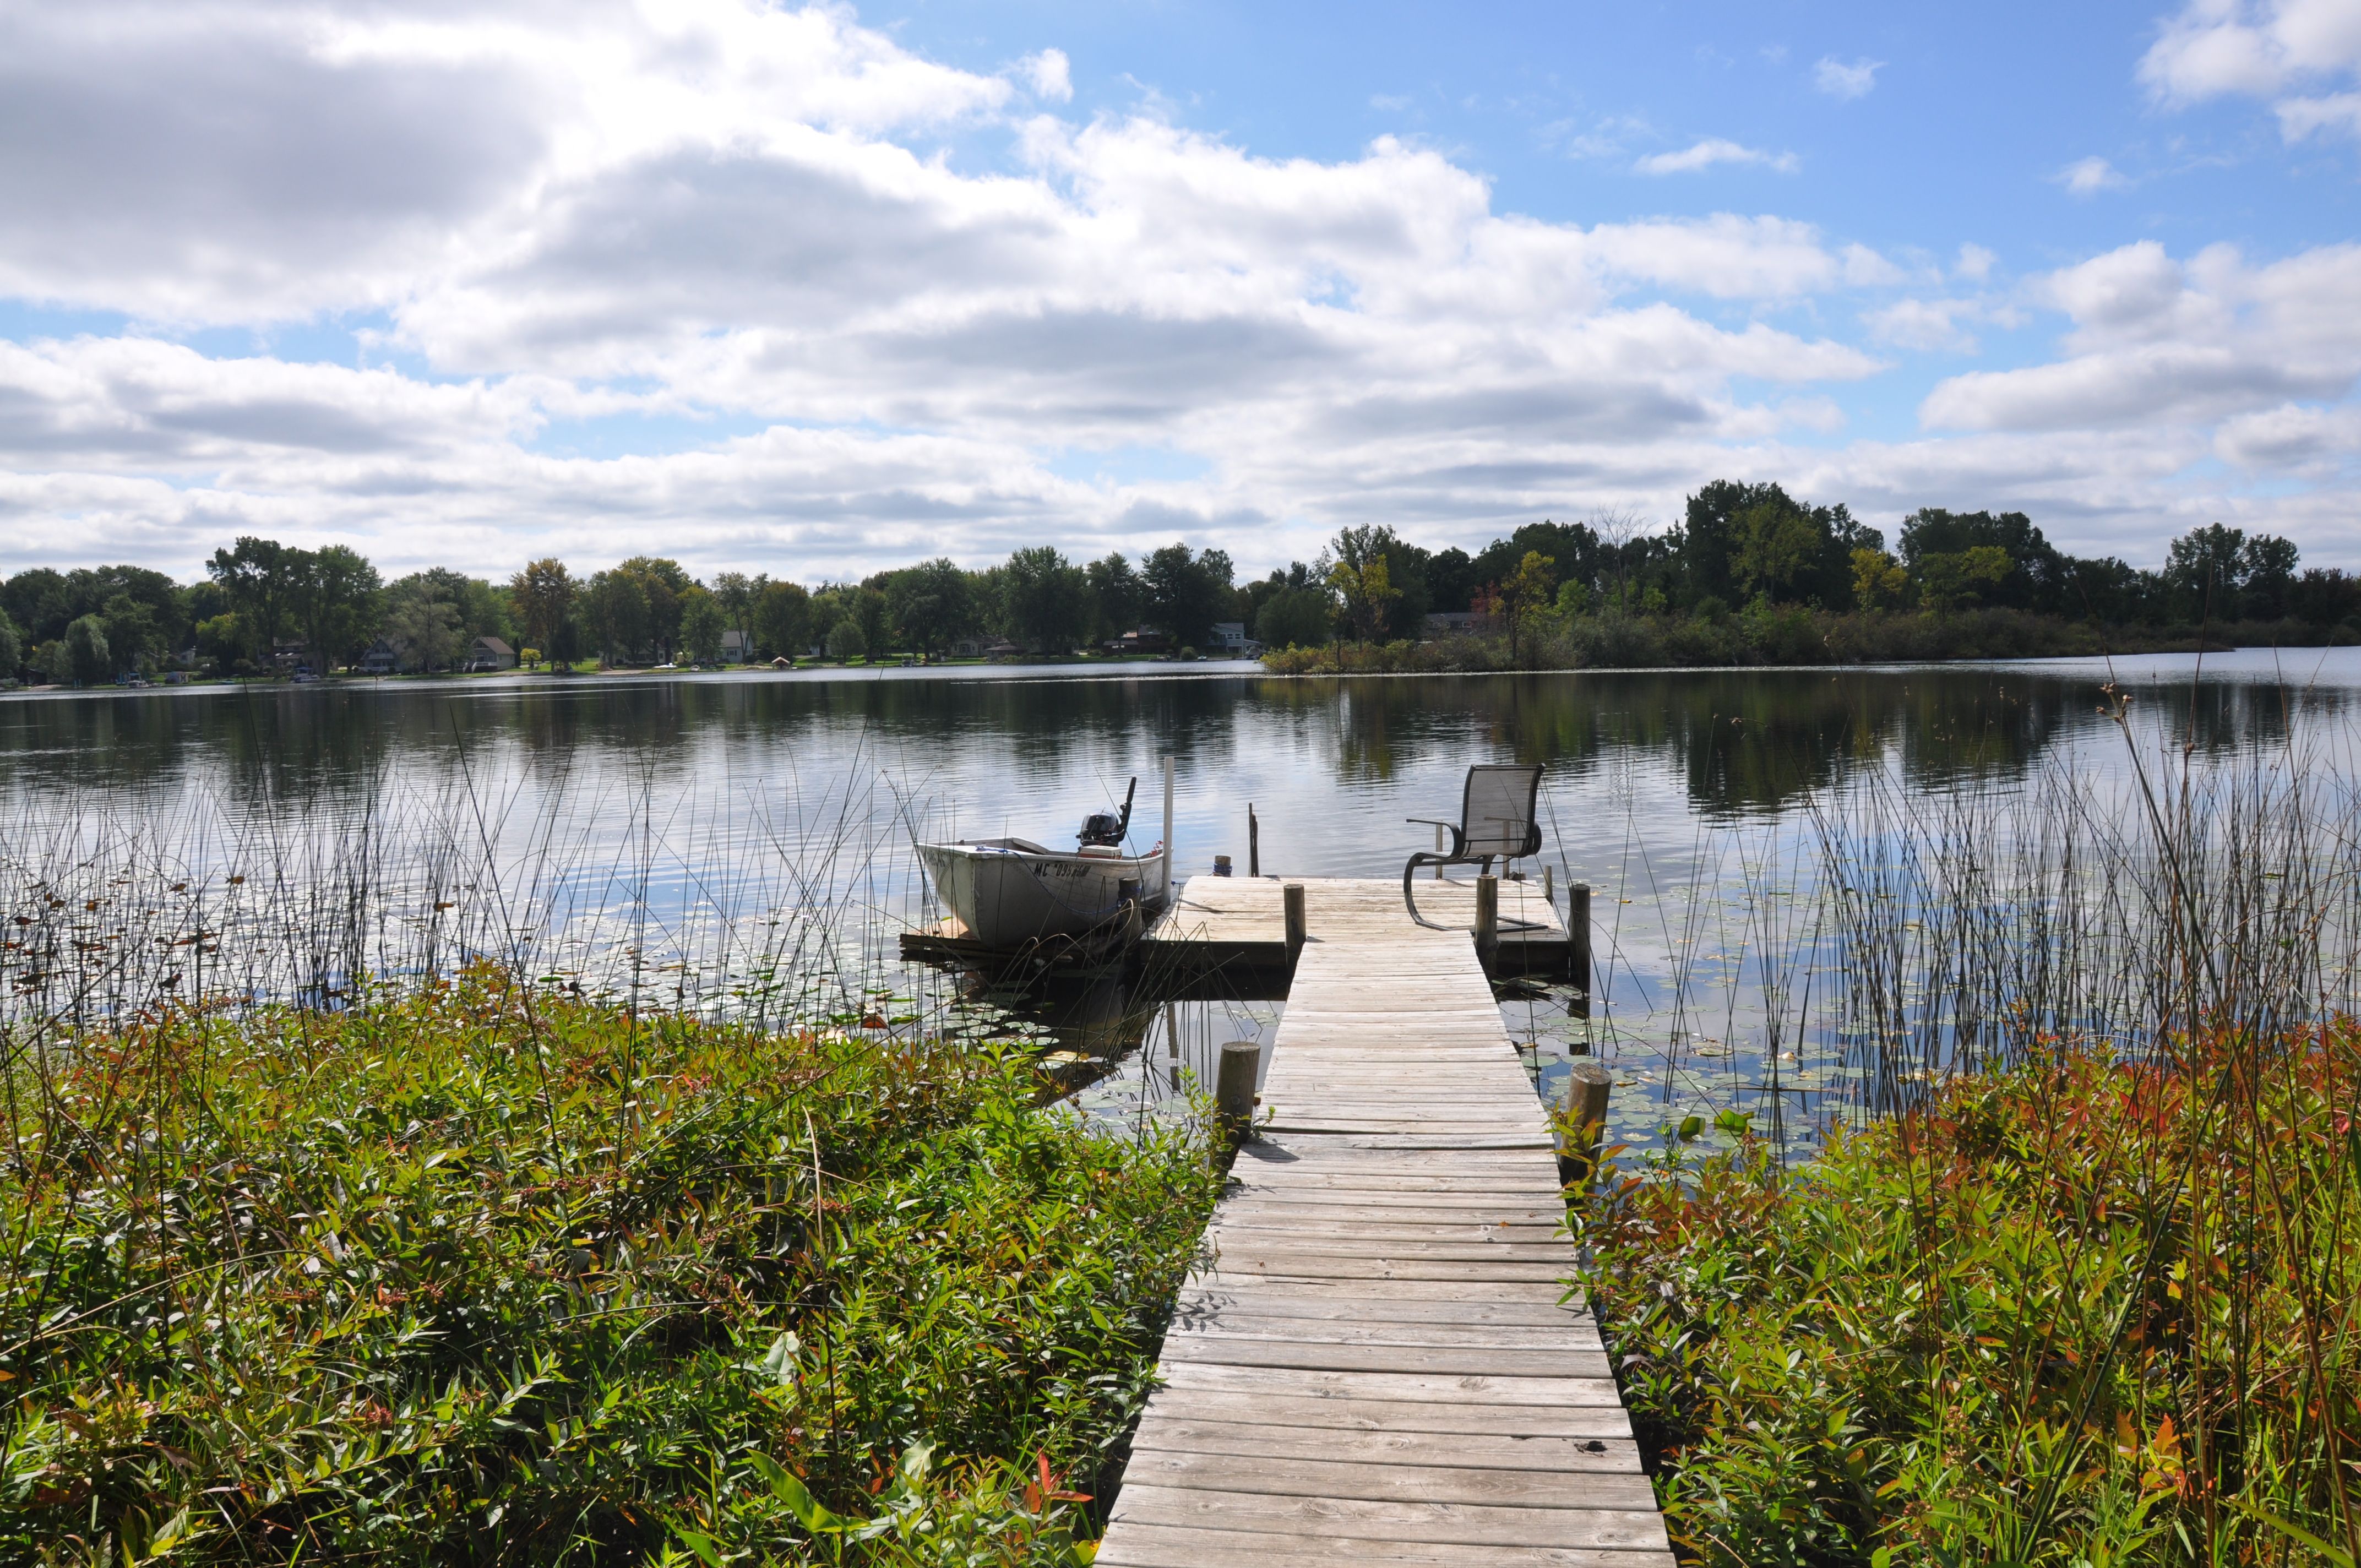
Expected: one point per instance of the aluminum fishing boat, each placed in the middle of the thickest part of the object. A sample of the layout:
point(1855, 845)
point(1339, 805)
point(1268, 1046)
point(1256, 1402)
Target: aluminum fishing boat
point(1009, 891)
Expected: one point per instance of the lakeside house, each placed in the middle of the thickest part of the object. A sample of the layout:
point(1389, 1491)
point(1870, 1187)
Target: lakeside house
point(490, 654)
point(1231, 640)
point(734, 646)
point(1453, 623)
point(982, 647)
point(1146, 639)
point(380, 659)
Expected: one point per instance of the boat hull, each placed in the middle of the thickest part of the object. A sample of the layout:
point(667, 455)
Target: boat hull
point(1010, 893)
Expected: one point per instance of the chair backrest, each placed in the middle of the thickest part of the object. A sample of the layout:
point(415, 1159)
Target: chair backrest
point(1497, 817)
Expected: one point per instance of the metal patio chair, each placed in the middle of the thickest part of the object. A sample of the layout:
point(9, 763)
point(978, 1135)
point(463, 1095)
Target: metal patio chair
point(1495, 823)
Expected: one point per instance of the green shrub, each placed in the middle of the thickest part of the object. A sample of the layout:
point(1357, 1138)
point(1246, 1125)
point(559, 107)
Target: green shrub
point(474, 1277)
point(2083, 1312)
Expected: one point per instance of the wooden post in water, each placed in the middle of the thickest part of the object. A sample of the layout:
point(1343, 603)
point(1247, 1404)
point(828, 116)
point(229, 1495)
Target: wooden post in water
point(1586, 1108)
point(1577, 941)
point(1233, 1089)
point(1253, 843)
point(1167, 889)
point(1488, 921)
point(1291, 899)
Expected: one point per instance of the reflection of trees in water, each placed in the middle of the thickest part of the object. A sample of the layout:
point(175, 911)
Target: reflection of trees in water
point(1987, 729)
point(2220, 717)
point(1744, 742)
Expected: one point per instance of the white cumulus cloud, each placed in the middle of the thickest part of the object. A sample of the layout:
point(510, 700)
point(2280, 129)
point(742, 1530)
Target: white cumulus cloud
point(2089, 176)
point(1048, 75)
point(2282, 50)
point(1702, 155)
point(697, 278)
point(1933, 324)
point(1840, 80)
point(2159, 341)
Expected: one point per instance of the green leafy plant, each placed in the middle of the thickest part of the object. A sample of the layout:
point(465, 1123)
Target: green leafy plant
point(2082, 1311)
point(476, 1274)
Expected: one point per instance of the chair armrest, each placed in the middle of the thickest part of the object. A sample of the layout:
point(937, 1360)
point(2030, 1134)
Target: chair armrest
point(1458, 835)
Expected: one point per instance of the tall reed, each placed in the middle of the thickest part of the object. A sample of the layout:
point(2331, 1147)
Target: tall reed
point(2079, 1286)
point(438, 1169)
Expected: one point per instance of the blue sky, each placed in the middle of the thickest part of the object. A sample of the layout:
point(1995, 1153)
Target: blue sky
point(816, 292)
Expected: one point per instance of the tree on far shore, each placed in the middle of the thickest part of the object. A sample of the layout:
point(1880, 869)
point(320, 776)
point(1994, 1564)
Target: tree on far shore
point(1043, 600)
point(87, 656)
point(543, 595)
point(930, 604)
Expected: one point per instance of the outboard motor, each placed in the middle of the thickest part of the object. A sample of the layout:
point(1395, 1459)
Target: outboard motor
point(1104, 829)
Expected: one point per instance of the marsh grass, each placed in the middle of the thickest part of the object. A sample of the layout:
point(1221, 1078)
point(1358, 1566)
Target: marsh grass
point(2076, 1281)
point(765, 902)
point(430, 1170)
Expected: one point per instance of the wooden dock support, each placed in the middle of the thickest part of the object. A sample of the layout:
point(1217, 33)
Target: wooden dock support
point(1577, 938)
point(1291, 897)
point(1234, 1088)
point(1378, 1362)
point(1253, 843)
point(1487, 922)
point(1586, 1088)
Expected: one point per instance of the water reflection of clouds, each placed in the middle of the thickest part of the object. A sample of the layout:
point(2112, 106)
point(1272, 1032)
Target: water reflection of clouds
point(700, 810)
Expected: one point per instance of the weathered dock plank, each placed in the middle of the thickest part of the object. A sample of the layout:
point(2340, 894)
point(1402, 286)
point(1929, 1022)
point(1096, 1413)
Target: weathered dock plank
point(1238, 927)
point(1378, 1360)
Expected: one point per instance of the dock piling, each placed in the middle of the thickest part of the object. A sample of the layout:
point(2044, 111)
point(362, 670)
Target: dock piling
point(1233, 1089)
point(1585, 1109)
point(1577, 934)
point(1488, 921)
point(1254, 843)
point(1292, 898)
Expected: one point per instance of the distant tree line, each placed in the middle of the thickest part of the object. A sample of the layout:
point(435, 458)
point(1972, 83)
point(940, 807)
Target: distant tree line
point(1748, 548)
point(263, 607)
point(1738, 549)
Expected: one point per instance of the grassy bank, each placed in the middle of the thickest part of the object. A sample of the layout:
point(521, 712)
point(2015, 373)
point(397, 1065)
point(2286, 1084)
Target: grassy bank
point(476, 1275)
point(1786, 634)
point(2086, 1289)
point(2082, 1312)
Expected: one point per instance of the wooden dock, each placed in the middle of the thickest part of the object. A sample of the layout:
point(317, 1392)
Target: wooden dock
point(1227, 936)
point(1375, 1366)
point(1234, 926)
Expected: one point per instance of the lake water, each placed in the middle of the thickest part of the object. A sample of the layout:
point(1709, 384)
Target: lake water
point(677, 836)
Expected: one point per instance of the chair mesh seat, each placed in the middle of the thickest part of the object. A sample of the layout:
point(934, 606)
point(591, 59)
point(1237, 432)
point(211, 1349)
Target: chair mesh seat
point(1497, 815)
point(1495, 823)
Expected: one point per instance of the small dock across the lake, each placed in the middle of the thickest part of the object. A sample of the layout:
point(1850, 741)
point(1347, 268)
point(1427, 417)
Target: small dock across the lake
point(1375, 1363)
